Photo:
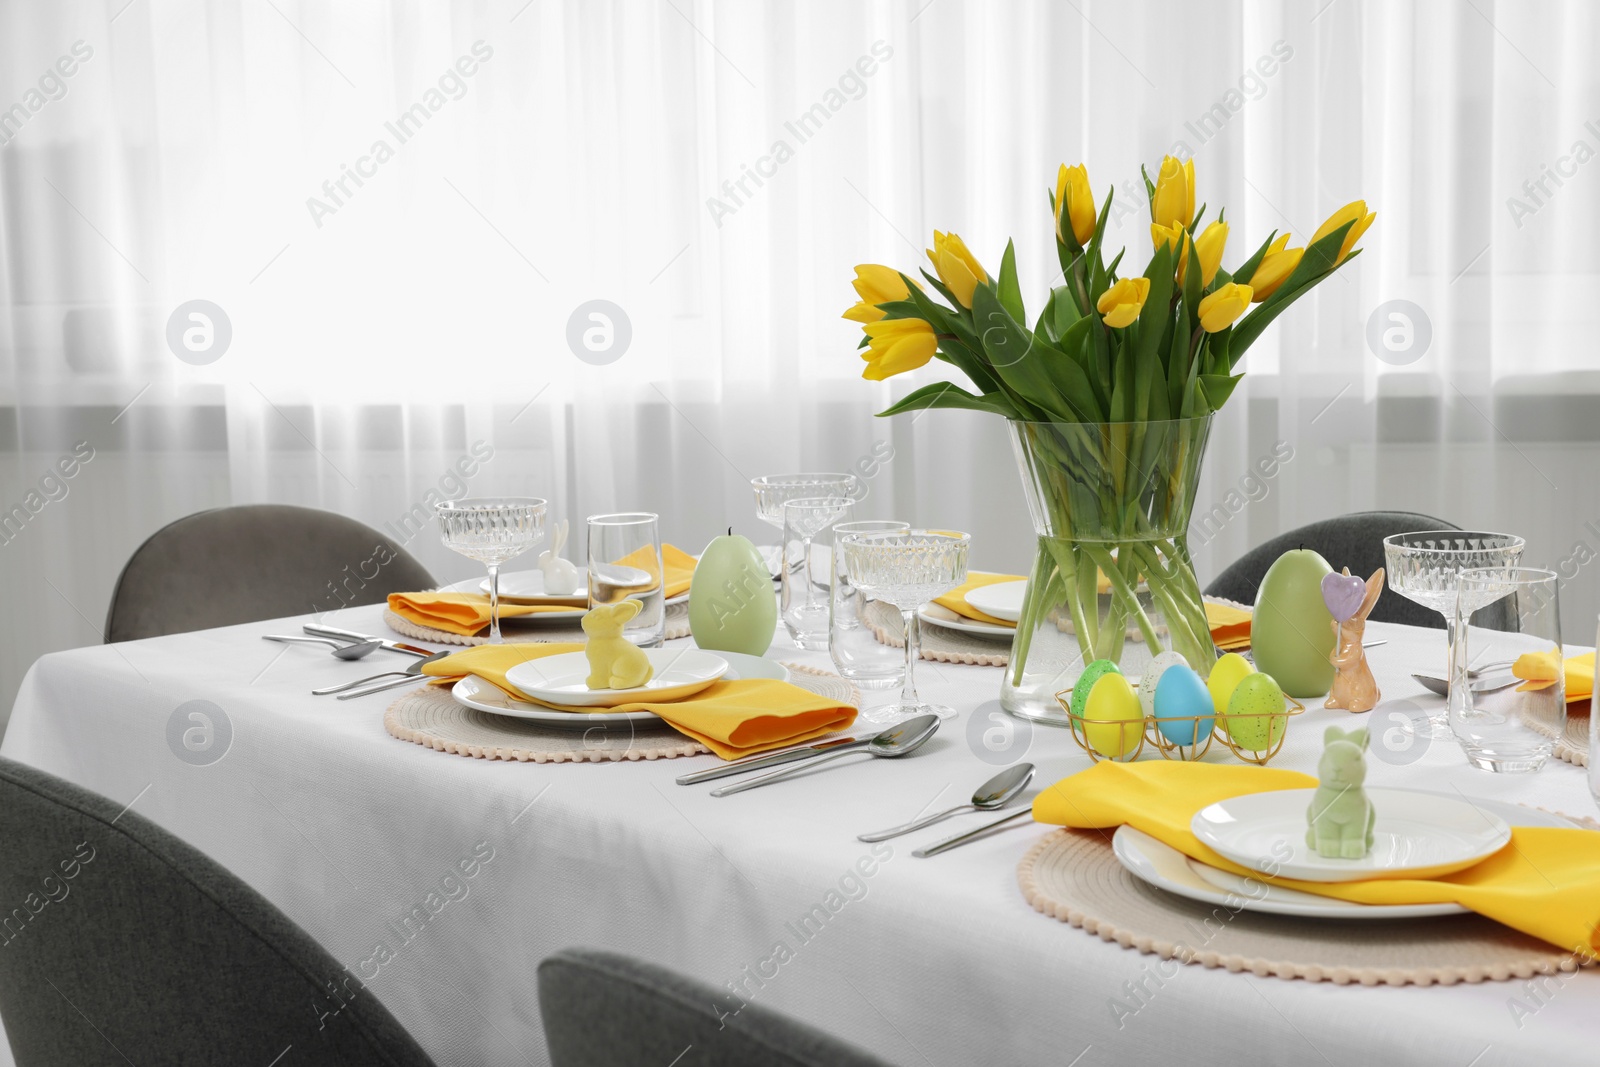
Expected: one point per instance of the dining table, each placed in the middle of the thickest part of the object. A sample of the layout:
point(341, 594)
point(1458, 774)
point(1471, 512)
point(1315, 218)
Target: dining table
point(766, 895)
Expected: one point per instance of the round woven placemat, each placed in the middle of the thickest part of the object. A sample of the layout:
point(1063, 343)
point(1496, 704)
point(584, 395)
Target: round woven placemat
point(677, 625)
point(1073, 876)
point(430, 716)
point(1572, 740)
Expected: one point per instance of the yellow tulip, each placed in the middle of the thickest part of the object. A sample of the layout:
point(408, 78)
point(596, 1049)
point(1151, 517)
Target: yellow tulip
point(958, 268)
point(1173, 203)
point(1173, 237)
point(895, 346)
point(1355, 211)
point(875, 284)
point(1221, 308)
point(1120, 304)
point(1073, 196)
point(1208, 246)
point(1274, 268)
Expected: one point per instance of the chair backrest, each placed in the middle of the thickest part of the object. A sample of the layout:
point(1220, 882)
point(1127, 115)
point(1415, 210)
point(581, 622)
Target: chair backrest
point(600, 1008)
point(119, 943)
point(1354, 541)
point(255, 561)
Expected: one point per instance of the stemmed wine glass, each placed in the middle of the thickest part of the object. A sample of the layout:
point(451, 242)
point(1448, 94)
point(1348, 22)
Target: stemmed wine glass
point(805, 518)
point(906, 569)
point(492, 530)
point(775, 490)
point(1424, 567)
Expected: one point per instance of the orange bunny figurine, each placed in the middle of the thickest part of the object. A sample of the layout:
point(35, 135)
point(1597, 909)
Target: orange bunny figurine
point(1354, 688)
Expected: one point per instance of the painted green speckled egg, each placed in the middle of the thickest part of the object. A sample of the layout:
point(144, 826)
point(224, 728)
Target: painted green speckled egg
point(1256, 714)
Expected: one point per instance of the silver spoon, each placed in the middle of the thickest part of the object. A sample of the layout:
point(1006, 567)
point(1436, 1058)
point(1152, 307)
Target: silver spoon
point(1433, 683)
point(971, 835)
point(340, 651)
point(995, 793)
point(896, 741)
point(413, 669)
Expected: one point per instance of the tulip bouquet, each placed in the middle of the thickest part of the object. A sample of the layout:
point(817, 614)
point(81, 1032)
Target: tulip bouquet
point(1109, 393)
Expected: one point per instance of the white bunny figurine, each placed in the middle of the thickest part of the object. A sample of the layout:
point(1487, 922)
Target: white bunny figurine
point(560, 576)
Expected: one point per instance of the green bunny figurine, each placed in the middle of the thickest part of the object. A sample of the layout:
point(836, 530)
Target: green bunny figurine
point(1341, 814)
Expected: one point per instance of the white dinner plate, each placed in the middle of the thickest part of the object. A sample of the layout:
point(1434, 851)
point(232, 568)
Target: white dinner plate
point(1166, 868)
point(1416, 835)
point(474, 692)
point(938, 615)
point(1003, 600)
point(527, 587)
point(510, 580)
point(679, 672)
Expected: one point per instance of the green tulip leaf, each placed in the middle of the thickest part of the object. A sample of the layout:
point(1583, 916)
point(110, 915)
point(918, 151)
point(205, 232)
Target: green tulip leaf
point(950, 396)
point(1009, 292)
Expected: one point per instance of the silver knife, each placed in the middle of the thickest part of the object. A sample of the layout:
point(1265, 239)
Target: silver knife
point(756, 763)
point(412, 679)
point(961, 839)
point(318, 630)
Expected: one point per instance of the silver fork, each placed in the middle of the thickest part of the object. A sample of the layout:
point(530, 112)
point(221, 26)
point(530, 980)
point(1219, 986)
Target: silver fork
point(412, 670)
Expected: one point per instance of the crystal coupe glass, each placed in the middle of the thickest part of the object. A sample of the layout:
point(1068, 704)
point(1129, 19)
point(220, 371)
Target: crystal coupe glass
point(775, 490)
point(493, 531)
point(906, 570)
point(1423, 567)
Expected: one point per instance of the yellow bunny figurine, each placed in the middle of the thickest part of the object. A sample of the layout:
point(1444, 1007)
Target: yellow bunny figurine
point(614, 661)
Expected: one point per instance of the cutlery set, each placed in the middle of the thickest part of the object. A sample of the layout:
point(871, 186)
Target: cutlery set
point(899, 740)
point(349, 645)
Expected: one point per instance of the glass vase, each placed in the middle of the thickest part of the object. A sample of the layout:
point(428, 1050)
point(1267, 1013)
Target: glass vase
point(1111, 578)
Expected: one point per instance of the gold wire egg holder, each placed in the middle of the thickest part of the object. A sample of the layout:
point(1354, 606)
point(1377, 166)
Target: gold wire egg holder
point(1149, 728)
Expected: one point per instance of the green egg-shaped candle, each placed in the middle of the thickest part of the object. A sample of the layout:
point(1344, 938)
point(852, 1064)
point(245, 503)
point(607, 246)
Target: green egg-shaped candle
point(1256, 715)
point(731, 604)
point(1291, 632)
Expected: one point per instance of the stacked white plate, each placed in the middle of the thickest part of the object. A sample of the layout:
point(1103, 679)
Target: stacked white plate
point(1416, 835)
point(561, 680)
point(527, 587)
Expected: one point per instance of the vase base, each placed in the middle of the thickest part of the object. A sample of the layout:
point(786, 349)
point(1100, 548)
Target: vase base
point(1040, 709)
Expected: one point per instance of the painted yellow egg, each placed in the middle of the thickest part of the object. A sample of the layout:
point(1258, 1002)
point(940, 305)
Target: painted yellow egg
point(1085, 684)
point(1225, 676)
point(1116, 721)
point(1256, 715)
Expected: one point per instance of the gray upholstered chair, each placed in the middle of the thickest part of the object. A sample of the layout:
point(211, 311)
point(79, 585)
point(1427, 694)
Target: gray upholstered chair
point(605, 1010)
point(1354, 541)
point(125, 945)
point(255, 561)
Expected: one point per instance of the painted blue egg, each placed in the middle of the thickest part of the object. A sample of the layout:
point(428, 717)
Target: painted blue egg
point(1181, 699)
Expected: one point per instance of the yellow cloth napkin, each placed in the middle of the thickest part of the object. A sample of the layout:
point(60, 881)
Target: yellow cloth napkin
point(731, 718)
point(956, 599)
point(1538, 669)
point(459, 613)
point(467, 614)
point(1230, 626)
point(1546, 882)
point(678, 564)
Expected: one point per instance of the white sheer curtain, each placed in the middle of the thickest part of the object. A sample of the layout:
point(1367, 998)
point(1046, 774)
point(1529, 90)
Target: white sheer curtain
point(671, 157)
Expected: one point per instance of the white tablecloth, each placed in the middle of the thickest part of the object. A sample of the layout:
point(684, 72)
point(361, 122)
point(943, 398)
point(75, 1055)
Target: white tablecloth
point(936, 961)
